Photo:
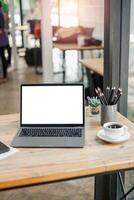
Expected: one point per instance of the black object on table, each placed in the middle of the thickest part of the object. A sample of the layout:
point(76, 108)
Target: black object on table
point(3, 148)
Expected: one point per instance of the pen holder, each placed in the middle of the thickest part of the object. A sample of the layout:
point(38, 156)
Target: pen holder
point(108, 113)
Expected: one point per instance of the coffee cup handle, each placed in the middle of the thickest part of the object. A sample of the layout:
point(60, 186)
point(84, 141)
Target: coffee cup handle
point(125, 129)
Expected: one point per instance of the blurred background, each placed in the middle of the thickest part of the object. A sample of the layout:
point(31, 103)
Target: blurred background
point(34, 27)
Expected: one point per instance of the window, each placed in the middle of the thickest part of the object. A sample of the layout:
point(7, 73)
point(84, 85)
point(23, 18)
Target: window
point(65, 13)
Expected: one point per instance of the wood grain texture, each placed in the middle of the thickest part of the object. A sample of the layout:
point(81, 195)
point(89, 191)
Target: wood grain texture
point(75, 47)
point(93, 64)
point(38, 165)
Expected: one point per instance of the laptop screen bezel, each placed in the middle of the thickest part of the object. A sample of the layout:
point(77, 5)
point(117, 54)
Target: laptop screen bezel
point(51, 125)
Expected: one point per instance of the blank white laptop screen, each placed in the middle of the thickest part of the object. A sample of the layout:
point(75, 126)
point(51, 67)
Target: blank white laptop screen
point(55, 104)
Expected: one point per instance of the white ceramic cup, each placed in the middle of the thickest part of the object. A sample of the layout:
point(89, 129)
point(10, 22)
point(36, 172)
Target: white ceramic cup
point(81, 40)
point(114, 130)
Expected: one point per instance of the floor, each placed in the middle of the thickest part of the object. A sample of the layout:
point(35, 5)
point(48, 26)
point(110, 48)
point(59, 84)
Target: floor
point(70, 190)
point(9, 103)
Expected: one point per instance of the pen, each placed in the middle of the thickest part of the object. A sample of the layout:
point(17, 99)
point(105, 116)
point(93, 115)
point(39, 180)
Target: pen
point(118, 97)
point(119, 91)
point(104, 98)
point(98, 94)
point(111, 95)
point(115, 97)
point(99, 90)
point(107, 92)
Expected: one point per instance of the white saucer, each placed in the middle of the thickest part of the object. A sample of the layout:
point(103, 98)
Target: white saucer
point(123, 138)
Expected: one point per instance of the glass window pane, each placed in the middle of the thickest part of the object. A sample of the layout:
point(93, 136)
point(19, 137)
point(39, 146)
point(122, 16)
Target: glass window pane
point(129, 180)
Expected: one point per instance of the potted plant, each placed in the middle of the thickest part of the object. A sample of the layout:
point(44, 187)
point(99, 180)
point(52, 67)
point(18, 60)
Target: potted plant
point(94, 104)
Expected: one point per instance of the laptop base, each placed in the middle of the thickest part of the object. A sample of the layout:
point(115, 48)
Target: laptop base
point(47, 141)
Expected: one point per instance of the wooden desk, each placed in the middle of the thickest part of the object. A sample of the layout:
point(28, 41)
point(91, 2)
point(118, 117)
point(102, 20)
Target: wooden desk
point(94, 72)
point(64, 47)
point(69, 47)
point(94, 64)
point(31, 166)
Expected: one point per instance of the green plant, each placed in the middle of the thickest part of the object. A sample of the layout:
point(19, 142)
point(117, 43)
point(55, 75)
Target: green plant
point(93, 102)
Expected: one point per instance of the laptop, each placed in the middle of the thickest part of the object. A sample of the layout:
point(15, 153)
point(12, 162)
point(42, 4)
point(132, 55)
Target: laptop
point(51, 115)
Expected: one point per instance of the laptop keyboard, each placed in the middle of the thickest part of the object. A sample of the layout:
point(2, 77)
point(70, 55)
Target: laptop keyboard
point(47, 132)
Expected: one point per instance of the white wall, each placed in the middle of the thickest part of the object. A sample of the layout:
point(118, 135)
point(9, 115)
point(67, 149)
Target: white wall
point(92, 15)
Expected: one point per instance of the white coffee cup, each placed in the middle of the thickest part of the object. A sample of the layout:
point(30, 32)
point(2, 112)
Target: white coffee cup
point(81, 40)
point(114, 130)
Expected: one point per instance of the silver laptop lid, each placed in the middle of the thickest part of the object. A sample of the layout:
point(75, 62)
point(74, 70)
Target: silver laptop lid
point(52, 105)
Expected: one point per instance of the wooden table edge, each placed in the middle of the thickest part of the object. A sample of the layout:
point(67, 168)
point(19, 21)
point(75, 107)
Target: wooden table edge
point(63, 177)
point(84, 64)
point(75, 46)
